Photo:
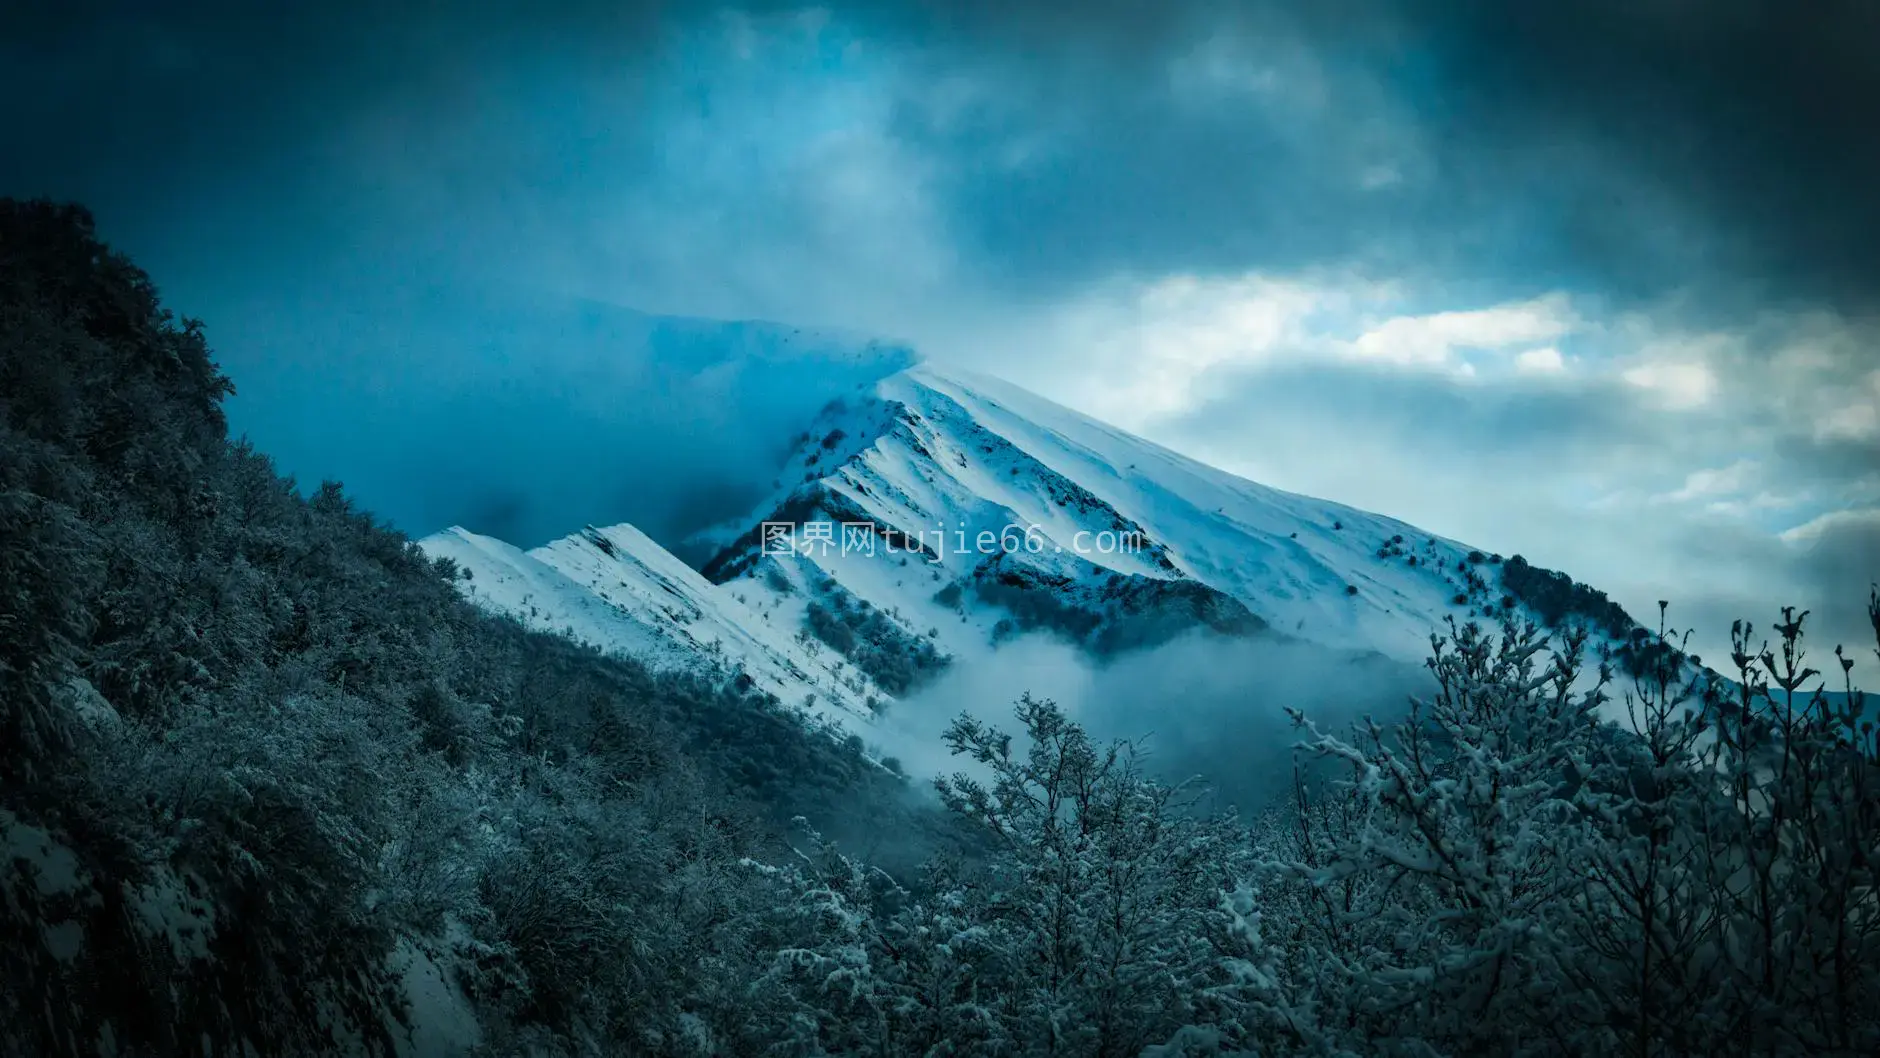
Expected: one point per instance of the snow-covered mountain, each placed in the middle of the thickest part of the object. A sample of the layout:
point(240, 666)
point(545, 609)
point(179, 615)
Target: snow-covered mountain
point(616, 589)
point(929, 517)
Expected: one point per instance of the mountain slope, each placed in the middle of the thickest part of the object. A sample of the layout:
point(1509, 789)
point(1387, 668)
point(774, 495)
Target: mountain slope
point(273, 787)
point(944, 461)
point(616, 589)
point(930, 517)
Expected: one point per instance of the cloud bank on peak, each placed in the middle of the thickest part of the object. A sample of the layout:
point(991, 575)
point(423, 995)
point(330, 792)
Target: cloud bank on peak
point(528, 418)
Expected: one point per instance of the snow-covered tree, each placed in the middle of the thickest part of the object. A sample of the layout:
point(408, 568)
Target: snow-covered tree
point(1103, 890)
point(1469, 838)
point(1506, 873)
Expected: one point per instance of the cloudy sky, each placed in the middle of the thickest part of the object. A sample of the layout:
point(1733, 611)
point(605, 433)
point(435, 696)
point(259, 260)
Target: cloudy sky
point(1594, 282)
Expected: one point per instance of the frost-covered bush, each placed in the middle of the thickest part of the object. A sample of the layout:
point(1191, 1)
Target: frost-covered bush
point(895, 657)
point(1092, 924)
point(1506, 873)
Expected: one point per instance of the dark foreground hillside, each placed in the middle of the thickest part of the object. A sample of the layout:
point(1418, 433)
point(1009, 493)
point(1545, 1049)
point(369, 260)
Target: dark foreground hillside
point(271, 788)
point(255, 744)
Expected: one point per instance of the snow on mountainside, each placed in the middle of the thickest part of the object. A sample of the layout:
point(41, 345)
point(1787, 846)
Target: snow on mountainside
point(1095, 532)
point(935, 514)
point(617, 590)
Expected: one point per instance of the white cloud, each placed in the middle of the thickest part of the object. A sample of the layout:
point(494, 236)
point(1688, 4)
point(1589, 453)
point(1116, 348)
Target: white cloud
point(1679, 385)
point(1858, 419)
point(1255, 71)
point(1734, 491)
point(1759, 503)
point(1543, 361)
point(1816, 528)
point(1379, 177)
point(1201, 323)
point(1435, 339)
point(1712, 483)
point(1140, 349)
point(1850, 422)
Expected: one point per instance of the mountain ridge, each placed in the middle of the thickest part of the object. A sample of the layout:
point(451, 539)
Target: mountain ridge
point(932, 516)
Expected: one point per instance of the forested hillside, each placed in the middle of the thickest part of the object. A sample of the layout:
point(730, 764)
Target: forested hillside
point(253, 740)
point(271, 787)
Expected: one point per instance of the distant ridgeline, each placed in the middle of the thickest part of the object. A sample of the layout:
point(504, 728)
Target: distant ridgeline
point(1558, 599)
point(1555, 599)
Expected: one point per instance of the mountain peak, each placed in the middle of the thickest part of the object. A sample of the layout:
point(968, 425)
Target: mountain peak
point(936, 513)
point(982, 478)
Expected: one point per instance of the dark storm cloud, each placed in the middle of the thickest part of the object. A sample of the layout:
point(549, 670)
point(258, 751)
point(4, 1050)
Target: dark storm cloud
point(526, 419)
point(1761, 115)
point(1631, 145)
point(150, 114)
point(324, 182)
point(501, 513)
point(377, 209)
point(1638, 145)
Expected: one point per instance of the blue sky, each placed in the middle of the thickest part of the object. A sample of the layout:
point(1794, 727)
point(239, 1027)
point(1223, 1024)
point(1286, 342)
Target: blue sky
point(1596, 287)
